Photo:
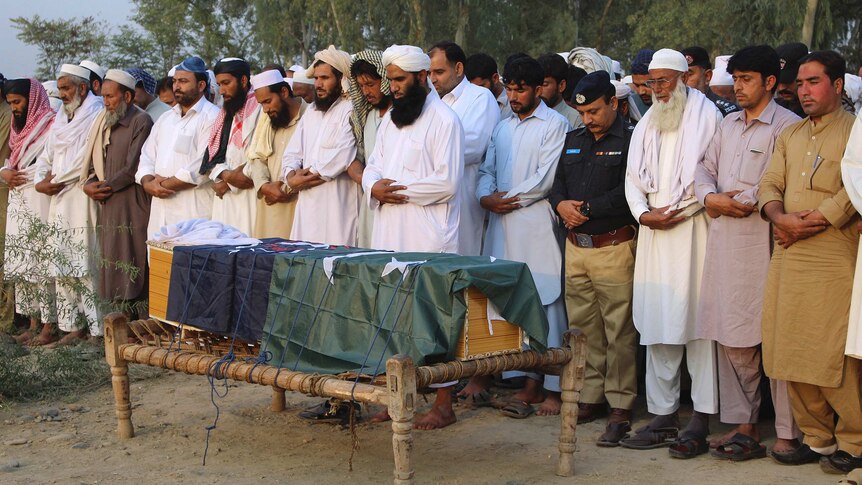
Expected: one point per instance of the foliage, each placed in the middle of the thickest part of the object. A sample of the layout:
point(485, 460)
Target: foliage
point(61, 41)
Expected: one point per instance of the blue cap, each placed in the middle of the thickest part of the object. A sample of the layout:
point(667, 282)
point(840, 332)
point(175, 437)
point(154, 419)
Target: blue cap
point(144, 78)
point(641, 63)
point(193, 64)
point(592, 87)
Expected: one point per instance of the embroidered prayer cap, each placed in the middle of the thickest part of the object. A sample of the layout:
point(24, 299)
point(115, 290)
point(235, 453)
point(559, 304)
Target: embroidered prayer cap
point(74, 70)
point(697, 56)
point(592, 87)
point(720, 76)
point(408, 57)
point(641, 63)
point(266, 78)
point(233, 65)
point(147, 81)
point(192, 64)
point(668, 59)
point(121, 77)
point(94, 68)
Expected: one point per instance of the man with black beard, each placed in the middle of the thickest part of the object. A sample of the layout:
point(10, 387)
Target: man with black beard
point(275, 202)
point(316, 159)
point(413, 176)
point(111, 160)
point(235, 204)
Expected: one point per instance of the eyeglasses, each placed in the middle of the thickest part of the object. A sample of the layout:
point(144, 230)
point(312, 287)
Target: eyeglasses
point(661, 83)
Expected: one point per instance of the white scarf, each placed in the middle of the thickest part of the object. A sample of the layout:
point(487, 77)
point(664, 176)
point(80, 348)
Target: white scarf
point(699, 122)
point(73, 135)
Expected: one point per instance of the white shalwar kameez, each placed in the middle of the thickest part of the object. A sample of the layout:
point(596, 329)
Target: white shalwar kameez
point(237, 207)
point(324, 142)
point(175, 148)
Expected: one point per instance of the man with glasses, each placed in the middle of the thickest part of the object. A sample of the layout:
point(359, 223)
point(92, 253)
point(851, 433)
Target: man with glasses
point(665, 149)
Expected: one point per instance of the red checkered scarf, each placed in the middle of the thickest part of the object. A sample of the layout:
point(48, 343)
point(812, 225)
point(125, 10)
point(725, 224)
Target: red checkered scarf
point(38, 107)
point(236, 134)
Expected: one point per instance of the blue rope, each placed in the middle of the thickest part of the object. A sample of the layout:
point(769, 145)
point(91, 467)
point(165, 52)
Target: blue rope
point(265, 355)
point(395, 324)
point(295, 320)
point(379, 328)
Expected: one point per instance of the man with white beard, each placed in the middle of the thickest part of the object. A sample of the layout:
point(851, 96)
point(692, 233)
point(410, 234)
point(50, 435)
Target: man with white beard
point(58, 170)
point(665, 149)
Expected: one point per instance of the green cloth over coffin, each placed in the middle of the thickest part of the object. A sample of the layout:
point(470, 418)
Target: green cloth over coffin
point(314, 325)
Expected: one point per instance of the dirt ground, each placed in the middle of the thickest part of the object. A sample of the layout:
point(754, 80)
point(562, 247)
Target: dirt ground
point(254, 445)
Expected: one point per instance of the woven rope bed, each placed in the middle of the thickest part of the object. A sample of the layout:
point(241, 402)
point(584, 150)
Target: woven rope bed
point(199, 353)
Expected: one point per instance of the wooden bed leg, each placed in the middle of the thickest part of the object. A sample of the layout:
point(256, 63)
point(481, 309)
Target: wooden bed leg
point(278, 400)
point(401, 380)
point(116, 334)
point(571, 383)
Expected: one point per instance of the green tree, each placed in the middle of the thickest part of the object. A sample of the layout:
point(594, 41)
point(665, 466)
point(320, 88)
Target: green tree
point(61, 41)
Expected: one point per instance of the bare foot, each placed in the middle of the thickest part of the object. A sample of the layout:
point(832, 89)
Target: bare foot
point(749, 430)
point(27, 335)
point(441, 413)
point(476, 386)
point(551, 405)
point(70, 338)
point(381, 416)
point(45, 337)
point(783, 446)
point(532, 393)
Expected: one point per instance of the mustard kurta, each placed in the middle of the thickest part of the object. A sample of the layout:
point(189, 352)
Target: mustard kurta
point(807, 300)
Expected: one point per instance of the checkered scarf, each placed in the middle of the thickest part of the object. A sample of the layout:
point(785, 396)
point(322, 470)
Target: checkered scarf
point(235, 138)
point(361, 106)
point(38, 107)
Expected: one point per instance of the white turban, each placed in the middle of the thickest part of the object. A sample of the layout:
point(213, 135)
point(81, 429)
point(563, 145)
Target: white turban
point(339, 60)
point(121, 77)
point(622, 89)
point(407, 57)
point(720, 76)
point(668, 59)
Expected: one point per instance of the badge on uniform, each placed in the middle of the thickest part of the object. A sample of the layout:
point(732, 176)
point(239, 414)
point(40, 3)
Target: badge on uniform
point(573, 151)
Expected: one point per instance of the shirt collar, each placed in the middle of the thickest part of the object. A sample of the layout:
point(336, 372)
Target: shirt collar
point(196, 108)
point(767, 116)
point(617, 127)
point(541, 112)
point(458, 90)
point(130, 113)
point(825, 120)
point(503, 99)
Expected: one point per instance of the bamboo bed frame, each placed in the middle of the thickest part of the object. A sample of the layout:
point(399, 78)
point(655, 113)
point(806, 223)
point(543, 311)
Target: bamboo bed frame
point(399, 392)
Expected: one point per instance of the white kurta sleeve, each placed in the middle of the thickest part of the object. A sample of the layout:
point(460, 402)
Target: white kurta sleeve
point(374, 169)
point(637, 200)
point(448, 161)
point(292, 158)
point(537, 186)
point(851, 165)
point(147, 163)
point(339, 151)
point(478, 123)
point(44, 161)
point(487, 183)
point(188, 172)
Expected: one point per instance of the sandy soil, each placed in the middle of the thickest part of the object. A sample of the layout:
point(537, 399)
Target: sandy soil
point(254, 445)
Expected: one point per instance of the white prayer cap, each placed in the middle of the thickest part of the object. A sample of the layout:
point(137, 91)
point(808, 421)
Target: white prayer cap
point(73, 70)
point(617, 67)
point(720, 76)
point(266, 78)
point(407, 57)
point(51, 89)
point(628, 79)
point(121, 77)
point(94, 68)
point(622, 89)
point(296, 68)
point(668, 59)
point(299, 77)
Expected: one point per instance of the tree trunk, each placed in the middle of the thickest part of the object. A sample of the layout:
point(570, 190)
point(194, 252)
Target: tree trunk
point(808, 23)
point(463, 17)
point(600, 44)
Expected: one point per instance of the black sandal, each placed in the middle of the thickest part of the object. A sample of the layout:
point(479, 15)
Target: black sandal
point(739, 448)
point(332, 411)
point(689, 445)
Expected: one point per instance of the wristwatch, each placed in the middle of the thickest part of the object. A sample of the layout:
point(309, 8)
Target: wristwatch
point(584, 209)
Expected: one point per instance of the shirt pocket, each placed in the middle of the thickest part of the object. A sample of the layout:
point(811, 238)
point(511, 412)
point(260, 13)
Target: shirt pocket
point(826, 177)
point(412, 156)
point(183, 143)
point(752, 167)
point(609, 159)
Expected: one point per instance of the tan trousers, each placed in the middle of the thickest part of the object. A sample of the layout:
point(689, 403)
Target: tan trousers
point(739, 374)
point(815, 407)
point(599, 303)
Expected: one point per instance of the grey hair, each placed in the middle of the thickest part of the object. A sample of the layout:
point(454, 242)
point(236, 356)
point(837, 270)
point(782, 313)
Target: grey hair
point(76, 80)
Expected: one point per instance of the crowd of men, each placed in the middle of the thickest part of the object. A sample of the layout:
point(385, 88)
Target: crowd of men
point(704, 213)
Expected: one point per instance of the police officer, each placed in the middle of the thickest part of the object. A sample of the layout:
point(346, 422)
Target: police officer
point(699, 75)
point(589, 196)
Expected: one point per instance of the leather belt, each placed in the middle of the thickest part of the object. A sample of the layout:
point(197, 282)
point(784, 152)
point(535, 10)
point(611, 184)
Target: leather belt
point(612, 238)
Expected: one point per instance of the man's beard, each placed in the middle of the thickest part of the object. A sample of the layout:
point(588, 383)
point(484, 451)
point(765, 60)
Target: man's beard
point(236, 103)
point(385, 101)
point(186, 99)
point(282, 118)
point(70, 107)
point(114, 117)
point(324, 103)
point(667, 116)
point(19, 121)
point(407, 109)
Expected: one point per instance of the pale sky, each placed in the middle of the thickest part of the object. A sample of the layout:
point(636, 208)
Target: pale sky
point(18, 59)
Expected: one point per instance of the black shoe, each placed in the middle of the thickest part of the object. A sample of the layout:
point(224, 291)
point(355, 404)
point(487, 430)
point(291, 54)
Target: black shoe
point(800, 456)
point(840, 463)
